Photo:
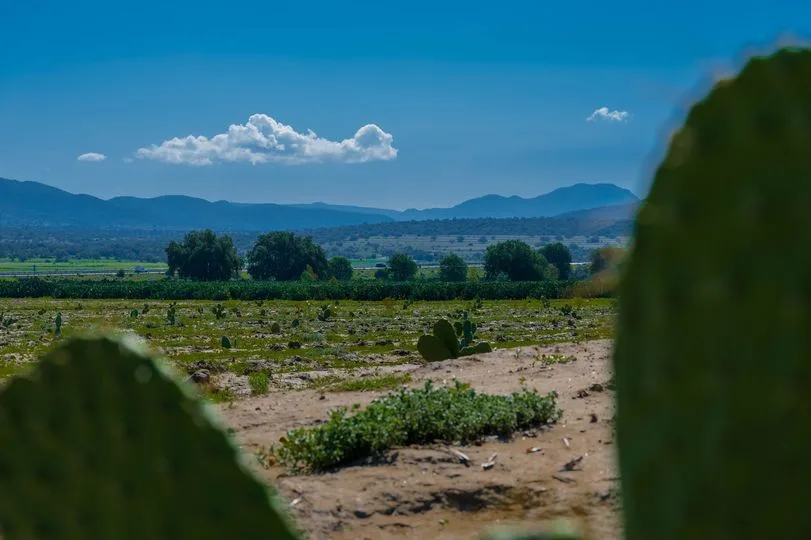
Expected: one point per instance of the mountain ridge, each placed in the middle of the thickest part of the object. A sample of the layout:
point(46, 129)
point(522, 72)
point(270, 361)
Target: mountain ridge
point(29, 203)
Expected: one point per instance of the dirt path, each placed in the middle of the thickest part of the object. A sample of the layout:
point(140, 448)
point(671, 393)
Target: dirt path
point(426, 492)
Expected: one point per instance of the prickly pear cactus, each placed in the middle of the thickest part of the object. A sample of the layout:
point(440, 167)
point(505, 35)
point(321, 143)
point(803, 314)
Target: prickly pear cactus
point(98, 442)
point(442, 345)
point(713, 352)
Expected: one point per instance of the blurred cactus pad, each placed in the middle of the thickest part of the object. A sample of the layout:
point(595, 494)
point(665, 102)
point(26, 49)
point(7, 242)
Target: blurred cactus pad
point(713, 350)
point(99, 442)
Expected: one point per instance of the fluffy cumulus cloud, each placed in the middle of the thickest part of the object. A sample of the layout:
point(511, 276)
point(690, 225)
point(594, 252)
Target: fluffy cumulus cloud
point(264, 140)
point(604, 114)
point(91, 156)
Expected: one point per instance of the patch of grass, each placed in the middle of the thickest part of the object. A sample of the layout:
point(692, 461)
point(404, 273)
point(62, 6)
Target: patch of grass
point(367, 384)
point(418, 416)
point(259, 383)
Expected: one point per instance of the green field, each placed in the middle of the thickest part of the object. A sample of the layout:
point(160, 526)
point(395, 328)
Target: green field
point(75, 265)
point(357, 334)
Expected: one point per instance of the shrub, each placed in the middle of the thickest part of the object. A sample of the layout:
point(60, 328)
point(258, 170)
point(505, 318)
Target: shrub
point(452, 268)
point(453, 415)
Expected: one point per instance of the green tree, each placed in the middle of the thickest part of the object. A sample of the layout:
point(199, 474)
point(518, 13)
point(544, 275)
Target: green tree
point(452, 268)
point(340, 268)
point(203, 256)
point(604, 257)
point(283, 256)
point(515, 259)
point(402, 267)
point(560, 257)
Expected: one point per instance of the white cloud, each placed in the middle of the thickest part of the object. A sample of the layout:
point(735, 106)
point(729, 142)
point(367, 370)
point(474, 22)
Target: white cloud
point(91, 156)
point(604, 114)
point(127, 160)
point(264, 140)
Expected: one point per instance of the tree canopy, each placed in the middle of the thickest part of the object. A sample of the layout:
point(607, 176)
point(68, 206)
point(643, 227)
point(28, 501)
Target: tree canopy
point(283, 256)
point(203, 256)
point(402, 267)
point(560, 257)
point(515, 259)
point(452, 268)
point(340, 268)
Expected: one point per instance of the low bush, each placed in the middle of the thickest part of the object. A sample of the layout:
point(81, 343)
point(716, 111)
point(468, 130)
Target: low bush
point(455, 414)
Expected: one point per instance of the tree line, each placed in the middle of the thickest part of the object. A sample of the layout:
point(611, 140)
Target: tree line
point(286, 256)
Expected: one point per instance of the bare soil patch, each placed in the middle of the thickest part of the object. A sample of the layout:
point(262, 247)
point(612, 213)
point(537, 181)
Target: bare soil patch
point(565, 471)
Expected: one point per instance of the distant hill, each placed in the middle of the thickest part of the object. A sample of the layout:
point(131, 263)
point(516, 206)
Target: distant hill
point(32, 204)
point(575, 198)
point(617, 212)
point(560, 201)
point(38, 205)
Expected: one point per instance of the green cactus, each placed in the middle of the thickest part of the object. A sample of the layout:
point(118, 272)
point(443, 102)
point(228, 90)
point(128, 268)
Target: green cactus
point(275, 328)
point(100, 442)
point(443, 343)
point(225, 342)
point(58, 325)
point(712, 350)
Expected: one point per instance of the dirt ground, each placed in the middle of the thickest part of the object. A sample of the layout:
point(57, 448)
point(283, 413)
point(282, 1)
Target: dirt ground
point(428, 492)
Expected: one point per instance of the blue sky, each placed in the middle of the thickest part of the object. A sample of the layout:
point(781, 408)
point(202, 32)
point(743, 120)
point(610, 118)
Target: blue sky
point(458, 99)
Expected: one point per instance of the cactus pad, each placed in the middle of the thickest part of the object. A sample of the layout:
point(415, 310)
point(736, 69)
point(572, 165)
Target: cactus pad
point(99, 442)
point(712, 357)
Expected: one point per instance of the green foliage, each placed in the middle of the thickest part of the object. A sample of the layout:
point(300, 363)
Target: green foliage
point(443, 343)
point(382, 273)
point(274, 290)
point(308, 275)
point(225, 342)
point(276, 328)
point(259, 383)
point(324, 313)
point(6, 321)
point(171, 314)
point(418, 416)
point(515, 259)
point(134, 314)
point(340, 268)
point(99, 442)
point(452, 268)
point(605, 258)
point(402, 267)
point(203, 256)
point(58, 325)
point(284, 256)
point(711, 357)
point(560, 257)
point(219, 311)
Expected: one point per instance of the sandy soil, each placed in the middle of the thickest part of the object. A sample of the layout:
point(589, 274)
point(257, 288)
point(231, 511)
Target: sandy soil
point(427, 492)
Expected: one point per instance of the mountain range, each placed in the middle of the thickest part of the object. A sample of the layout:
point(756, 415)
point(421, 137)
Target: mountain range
point(33, 204)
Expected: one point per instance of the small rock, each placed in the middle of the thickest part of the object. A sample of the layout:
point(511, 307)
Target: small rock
point(200, 376)
point(593, 418)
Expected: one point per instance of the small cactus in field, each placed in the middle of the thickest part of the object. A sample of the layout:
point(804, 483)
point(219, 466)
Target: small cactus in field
point(134, 314)
point(225, 342)
point(171, 314)
point(325, 313)
point(219, 311)
point(58, 325)
point(276, 328)
point(443, 343)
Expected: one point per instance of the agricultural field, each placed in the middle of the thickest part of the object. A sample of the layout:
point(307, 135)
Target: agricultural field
point(295, 344)
point(469, 247)
point(74, 265)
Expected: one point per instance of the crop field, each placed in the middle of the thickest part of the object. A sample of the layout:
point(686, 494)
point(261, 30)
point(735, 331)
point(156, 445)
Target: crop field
point(289, 343)
point(74, 265)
